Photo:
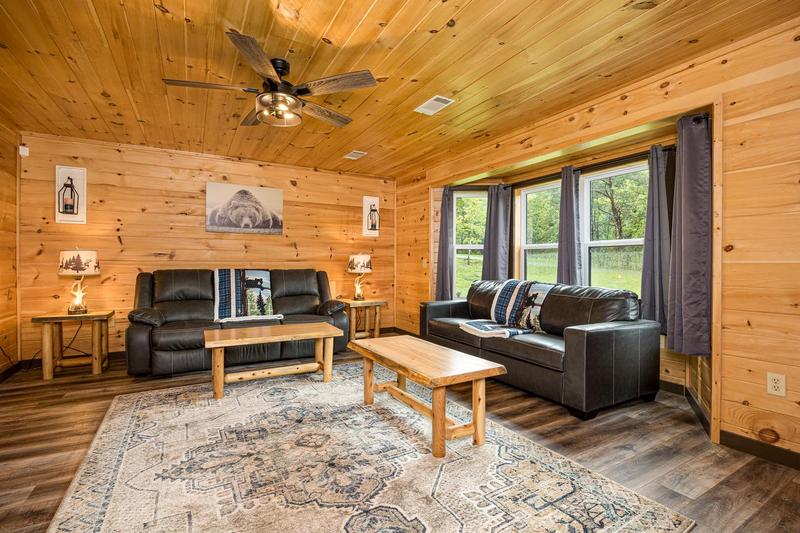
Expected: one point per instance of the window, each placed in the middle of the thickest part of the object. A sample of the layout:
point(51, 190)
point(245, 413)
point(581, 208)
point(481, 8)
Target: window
point(540, 208)
point(614, 203)
point(469, 230)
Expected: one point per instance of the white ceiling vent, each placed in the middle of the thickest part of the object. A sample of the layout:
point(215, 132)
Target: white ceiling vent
point(434, 105)
point(355, 154)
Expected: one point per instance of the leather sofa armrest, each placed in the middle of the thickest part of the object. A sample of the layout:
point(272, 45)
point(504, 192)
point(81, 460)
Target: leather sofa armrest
point(330, 307)
point(610, 362)
point(440, 309)
point(148, 316)
point(137, 348)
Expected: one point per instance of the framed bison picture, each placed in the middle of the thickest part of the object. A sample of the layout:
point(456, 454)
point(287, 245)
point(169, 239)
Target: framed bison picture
point(244, 209)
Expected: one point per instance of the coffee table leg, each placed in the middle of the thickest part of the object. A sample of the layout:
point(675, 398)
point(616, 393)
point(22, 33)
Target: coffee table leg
point(401, 382)
point(327, 365)
point(218, 372)
point(318, 347)
point(479, 412)
point(97, 347)
point(369, 381)
point(438, 422)
point(47, 350)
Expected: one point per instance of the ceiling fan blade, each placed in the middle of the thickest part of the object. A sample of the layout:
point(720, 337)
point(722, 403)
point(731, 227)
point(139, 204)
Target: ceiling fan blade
point(338, 83)
point(254, 55)
point(205, 85)
point(251, 119)
point(323, 113)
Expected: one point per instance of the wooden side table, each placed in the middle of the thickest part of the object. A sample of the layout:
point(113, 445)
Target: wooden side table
point(53, 341)
point(352, 309)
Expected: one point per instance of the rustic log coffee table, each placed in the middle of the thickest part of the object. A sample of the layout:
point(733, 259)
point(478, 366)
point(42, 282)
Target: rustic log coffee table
point(432, 366)
point(217, 340)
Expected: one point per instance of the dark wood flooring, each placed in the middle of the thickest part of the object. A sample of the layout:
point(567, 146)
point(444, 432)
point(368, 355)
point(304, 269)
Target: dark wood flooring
point(658, 449)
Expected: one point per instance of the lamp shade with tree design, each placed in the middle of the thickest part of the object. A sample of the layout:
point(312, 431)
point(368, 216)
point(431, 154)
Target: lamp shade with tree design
point(78, 263)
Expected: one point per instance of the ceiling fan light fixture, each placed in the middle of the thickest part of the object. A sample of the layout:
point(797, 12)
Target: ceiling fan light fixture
point(279, 109)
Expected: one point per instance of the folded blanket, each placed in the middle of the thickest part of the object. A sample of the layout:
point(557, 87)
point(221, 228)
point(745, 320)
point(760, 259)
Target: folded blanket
point(515, 310)
point(489, 328)
point(242, 294)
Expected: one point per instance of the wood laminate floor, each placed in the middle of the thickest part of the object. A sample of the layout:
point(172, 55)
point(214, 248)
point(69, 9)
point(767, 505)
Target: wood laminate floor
point(658, 449)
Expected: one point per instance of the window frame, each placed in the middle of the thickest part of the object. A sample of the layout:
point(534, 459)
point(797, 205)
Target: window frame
point(524, 245)
point(456, 246)
point(586, 222)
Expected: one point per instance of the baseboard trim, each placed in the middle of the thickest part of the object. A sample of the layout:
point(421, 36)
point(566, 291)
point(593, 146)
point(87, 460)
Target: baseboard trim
point(698, 411)
point(760, 449)
point(9, 371)
point(669, 386)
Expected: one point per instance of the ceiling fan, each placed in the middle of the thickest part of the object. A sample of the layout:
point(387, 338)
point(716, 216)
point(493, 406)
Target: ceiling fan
point(278, 102)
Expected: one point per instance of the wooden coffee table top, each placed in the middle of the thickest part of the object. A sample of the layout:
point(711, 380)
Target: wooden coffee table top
point(221, 338)
point(426, 363)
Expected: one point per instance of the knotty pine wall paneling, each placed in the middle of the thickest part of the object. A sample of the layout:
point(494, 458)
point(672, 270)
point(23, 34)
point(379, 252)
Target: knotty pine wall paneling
point(756, 79)
point(147, 212)
point(8, 248)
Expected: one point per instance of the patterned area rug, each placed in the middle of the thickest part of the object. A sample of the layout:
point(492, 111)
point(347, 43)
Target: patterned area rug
point(293, 454)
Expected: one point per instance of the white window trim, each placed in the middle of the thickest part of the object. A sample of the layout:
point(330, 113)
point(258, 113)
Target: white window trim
point(523, 232)
point(456, 246)
point(586, 224)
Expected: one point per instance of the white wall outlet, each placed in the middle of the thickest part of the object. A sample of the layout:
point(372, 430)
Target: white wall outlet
point(776, 384)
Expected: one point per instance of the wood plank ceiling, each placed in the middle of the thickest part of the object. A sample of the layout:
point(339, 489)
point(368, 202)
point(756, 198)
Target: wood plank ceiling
point(93, 68)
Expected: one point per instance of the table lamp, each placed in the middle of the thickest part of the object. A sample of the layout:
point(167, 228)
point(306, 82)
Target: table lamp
point(360, 264)
point(78, 263)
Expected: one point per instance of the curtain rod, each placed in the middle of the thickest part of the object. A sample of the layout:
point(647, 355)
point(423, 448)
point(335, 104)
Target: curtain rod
point(589, 168)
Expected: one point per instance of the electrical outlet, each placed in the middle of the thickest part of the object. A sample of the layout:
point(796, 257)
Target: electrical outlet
point(776, 384)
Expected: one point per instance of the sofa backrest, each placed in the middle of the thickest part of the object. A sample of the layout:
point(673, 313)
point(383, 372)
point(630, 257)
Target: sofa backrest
point(189, 294)
point(480, 297)
point(574, 305)
point(184, 294)
point(565, 305)
point(295, 291)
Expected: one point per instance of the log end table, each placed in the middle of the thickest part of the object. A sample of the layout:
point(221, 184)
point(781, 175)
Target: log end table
point(369, 330)
point(53, 341)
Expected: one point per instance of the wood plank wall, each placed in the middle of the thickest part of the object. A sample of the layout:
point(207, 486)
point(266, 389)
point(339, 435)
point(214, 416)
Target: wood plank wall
point(146, 212)
point(756, 78)
point(8, 247)
point(761, 256)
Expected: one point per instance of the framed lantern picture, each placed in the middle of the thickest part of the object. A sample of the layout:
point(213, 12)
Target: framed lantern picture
point(71, 200)
point(371, 217)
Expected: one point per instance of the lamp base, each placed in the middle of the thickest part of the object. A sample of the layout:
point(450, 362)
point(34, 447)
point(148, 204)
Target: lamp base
point(77, 309)
point(358, 294)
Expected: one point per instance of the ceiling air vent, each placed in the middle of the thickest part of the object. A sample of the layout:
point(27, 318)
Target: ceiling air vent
point(434, 105)
point(355, 154)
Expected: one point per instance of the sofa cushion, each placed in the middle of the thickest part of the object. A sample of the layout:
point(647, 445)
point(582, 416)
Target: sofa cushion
point(574, 305)
point(172, 285)
point(182, 310)
point(480, 297)
point(249, 324)
point(448, 328)
point(181, 335)
point(303, 318)
point(294, 291)
point(537, 348)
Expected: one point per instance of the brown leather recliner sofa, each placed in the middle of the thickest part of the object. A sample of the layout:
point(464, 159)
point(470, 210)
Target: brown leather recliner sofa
point(595, 351)
point(174, 307)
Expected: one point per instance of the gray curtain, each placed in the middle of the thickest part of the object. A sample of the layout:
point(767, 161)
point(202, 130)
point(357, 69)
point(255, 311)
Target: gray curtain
point(655, 266)
point(444, 269)
point(689, 295)
point(569, 259)
point(498, 233)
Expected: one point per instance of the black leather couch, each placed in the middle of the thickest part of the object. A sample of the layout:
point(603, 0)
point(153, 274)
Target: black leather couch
point(172, 308)
point(595, 351)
